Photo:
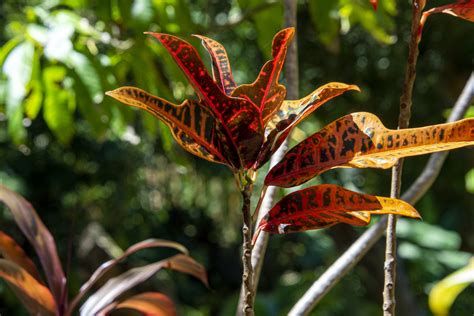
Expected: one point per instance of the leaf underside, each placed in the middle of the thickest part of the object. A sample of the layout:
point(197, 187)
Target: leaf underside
point(359, 140)
point(325, 205)
point(35, 297)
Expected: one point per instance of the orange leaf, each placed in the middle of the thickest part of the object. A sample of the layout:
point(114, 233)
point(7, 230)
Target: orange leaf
point(10, 250)
point(326, 205)
point(463, 9)
point(149, 304)
point(35, 297)
point(359, 140)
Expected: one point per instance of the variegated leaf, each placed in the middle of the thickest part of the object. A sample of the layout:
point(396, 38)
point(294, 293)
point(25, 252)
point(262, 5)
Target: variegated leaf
point(10, 250)
point(293, 111)
point(148, 304)
point(221, 71)
point(359, 140)
point(192, 125)
point(35, 297)
point(463, 9)
point(266, 93)
point(239, 118)
point(325, 205)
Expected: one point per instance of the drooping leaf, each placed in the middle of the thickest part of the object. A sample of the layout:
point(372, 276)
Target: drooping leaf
point(325, 205)
point(118, 285)
point(463, 9)
point(221, 71)
point(107, 266)
point(148, 304)
point(40, 238)
point(191, 124)
point(11, 251)
point(292, 112)
point(444, 293)
point(34, 98)
point(35, 297)
point(359, 140)
point(266, 93)
point(239, 118)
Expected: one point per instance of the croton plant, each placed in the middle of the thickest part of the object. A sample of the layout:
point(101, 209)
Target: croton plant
point(242, 126)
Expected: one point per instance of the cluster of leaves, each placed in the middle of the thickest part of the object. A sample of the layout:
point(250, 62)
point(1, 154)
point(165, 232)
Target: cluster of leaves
point(51, 298)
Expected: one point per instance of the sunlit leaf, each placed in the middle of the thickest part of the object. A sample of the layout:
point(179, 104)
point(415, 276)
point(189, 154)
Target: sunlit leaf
point(221, 71)
point(192, 125)
point(292, 112)
point(107, 266)
point(149, 304)
point(325, 205)
point(87, 73)
point(40, 238)
point(463, 9)
point(359, 140)
point(35, 97)
point(444, 293)
point(266, 93)
point(11, 251)
point(34, 296)
point(118, 285)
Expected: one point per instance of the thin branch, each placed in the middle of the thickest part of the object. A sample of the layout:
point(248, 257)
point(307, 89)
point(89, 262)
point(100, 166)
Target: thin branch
point(390, 265)
point(359, 248)
point(247, 275)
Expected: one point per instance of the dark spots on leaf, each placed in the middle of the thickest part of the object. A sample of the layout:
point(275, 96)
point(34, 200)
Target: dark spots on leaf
point(323, 156)
point(405, 142)
point(327, 197)
point(390, 141)
point(441, 134)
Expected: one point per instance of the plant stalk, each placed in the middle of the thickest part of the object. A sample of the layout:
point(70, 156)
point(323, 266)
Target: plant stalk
point(247, 275)
point(390, 265)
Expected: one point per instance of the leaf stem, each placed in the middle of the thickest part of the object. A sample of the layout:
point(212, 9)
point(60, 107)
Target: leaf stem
point(390, 265)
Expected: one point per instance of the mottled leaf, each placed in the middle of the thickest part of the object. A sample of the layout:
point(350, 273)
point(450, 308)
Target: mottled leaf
point(40, 238)
point(11, 251)
point(148, 304)
point(192, 125)
point(239, 118)
point(293, 111)
point(35, 297)
point(266, 93)
point(325, 205)
point(118, 285)
point(463, 9)
point(359, 140)
point(221, 71)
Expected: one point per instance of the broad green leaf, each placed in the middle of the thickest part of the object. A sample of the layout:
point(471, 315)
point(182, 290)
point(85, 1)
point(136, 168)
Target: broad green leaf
point(444, 293)
point(35, 297)
point(266, 93)
point(107, 266)
point(88, 75)
point(7, 48)
point(35, 98)
point(463, 9)
point(324, 19)
point(470, 181)
point(40, 238)
point(148, 304)
point(11, 251)
point(359, 140)
point(267, 21)
point(326, 205)
point(56, 110)
point(221, 71)
point(118, 285)
point(428, 236)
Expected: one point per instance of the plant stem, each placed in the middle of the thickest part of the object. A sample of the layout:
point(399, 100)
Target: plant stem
point(247, 275)
point(390, 265)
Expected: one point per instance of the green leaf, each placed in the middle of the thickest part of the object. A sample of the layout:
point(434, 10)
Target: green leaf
point(427, 235)
point(87, 74)
point(323, 18)
point(35, 98)
point(470, 181)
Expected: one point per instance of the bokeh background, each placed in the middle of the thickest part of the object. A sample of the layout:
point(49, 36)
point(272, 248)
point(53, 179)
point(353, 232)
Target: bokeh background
point(103, 176)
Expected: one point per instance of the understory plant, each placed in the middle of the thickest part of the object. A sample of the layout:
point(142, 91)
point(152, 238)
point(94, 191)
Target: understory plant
point(241, 126)
point(51, 297)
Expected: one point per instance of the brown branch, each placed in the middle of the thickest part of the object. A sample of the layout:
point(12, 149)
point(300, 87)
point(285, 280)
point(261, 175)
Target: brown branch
point(247, 275)
point(390, 265)
point(359, 248)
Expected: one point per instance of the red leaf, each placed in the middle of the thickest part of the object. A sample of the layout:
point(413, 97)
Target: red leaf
point(374, 3)
point(35, 297)
point(40, 238)
point(221, 71)
point(463, 9)
point(149, 304)
point(266, 93)
point(360, 140)
point(240, 119)
point(192, 124)
point(10, 250)
point(325, 205)
point(294, 111)
point(118, 285)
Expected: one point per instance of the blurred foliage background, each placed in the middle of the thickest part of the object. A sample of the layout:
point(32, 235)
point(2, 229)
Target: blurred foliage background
point(103, 176)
